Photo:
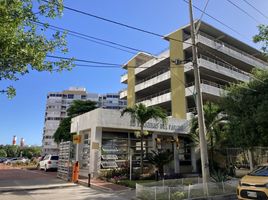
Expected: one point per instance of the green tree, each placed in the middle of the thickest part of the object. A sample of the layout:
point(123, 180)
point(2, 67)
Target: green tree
point(77, 107)
point(246, 105)
point(30, 152)
point(63, 131)
point(215, 122)
point(3, 153)
point(142, 114)
point(12, 150)
point(159, 159)
point(80, 107)
point(24, 44)
point(262, 37)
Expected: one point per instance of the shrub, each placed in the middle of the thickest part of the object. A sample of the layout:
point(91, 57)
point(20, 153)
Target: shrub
point(219, 175)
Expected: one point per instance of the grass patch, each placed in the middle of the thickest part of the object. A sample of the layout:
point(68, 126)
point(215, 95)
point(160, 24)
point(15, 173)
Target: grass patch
point(132, 183)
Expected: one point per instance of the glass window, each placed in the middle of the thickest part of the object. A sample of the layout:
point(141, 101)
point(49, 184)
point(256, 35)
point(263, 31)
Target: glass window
point(54, 158)
point(70, 96)
point(260, 171)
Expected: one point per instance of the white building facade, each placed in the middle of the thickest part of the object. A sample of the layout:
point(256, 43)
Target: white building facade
point(56, 110)
point(167, 80)
point(107, 140)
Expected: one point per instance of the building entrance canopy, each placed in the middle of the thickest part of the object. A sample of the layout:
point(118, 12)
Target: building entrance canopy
point(105, 118)
point(108, 138)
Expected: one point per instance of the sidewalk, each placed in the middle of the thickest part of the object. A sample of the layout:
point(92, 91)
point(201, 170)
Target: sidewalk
point(103, 185)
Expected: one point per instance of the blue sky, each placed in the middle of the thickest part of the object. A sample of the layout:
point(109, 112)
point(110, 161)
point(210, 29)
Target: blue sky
point(24, 115)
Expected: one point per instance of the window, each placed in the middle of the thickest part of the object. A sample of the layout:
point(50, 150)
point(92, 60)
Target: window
point(54, 118)
point(70, 96)
point(54, 158)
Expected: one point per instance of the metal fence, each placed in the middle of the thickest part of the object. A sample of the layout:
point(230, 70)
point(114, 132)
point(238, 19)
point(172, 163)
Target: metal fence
point(179, 189)
point(240, 158)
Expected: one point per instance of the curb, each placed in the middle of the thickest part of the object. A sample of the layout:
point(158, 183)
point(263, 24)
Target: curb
point(104, 189)
point(36, 188)
point(217, 197)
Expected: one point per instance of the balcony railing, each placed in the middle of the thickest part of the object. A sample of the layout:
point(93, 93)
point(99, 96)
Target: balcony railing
point(152, 76)
point(207, 83)
point(153, 95)
point(220, 43)
point(223, 64)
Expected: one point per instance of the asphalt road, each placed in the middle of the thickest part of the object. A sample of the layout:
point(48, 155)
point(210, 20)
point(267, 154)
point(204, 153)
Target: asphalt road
point(18, 184)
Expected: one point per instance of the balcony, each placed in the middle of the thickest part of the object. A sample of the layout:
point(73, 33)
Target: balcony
point(124, 78)
point(164, 55)
point(152, 80)
point(220, 68)
point(155, 99)
point(123, 94)
point(207, 88)
point(228, 50)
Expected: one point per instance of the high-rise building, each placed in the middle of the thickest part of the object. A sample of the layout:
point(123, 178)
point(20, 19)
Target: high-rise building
point(111, 101)
point(56, 110)
point(168, 79)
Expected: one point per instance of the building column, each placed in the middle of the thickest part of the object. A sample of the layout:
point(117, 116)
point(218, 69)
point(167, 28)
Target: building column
point(131, 98)
point(178, 100)
point(154, 136)
point(95, 151)
point(193, 159)
point(176, 156)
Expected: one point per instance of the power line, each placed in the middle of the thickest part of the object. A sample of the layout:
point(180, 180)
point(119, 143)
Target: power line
point(99, 40)
point(89, 38)
point(82, 60)
point(200, 19)
point(98, 63)
point(214, 18)
point(244, 11)
point(120, 23)
point(256, 9)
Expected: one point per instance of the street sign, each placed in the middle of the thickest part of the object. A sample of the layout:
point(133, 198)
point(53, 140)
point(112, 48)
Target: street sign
point(76, 139)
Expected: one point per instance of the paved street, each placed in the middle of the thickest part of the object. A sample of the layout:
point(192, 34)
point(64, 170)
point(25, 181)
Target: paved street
point(17, 184)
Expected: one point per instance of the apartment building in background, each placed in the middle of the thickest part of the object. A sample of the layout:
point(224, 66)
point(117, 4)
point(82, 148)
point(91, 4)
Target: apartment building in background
point(111, 101)
point(168, 79)
point(56, 110)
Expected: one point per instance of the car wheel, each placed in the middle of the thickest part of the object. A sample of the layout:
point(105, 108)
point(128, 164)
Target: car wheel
point(46, 168)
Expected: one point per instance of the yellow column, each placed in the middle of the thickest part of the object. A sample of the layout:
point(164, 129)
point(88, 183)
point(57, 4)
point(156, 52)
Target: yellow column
point(178, 99)
point(131, 100)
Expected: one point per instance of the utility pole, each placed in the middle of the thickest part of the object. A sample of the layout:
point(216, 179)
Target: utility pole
point(199, 104)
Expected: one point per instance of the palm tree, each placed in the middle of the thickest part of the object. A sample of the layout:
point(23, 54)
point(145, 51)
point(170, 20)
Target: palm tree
point(214, 122)
point(159, 159)
point(142, 114)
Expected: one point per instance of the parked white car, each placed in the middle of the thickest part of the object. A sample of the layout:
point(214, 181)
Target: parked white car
point(49, 162)
point(15, 160)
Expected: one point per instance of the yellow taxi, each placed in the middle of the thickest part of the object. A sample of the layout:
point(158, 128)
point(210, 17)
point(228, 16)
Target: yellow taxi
point(254, 185)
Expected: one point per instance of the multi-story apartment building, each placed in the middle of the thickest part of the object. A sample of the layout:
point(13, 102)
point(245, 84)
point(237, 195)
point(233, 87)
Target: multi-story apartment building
point(111, 101)
point(56, 109)
point(168, 79)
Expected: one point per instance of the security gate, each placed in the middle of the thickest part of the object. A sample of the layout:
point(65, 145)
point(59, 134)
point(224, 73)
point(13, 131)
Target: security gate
point(65, 160)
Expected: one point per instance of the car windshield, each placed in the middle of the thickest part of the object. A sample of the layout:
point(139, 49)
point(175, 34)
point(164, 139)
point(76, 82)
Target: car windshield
point(260, 171)
point(54, 158)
